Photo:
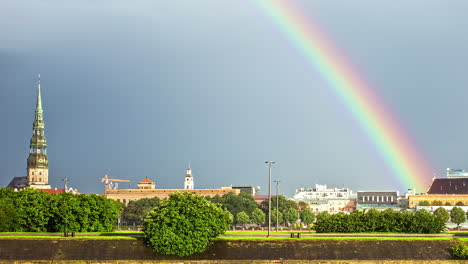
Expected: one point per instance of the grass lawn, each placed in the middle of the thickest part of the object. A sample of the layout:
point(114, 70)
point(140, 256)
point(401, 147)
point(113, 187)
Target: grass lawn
point(315, 233)
point(76, 237)
point(338, 238)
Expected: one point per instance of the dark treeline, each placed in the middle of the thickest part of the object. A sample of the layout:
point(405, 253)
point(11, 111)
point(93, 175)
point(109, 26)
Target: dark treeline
point(422, 222)
point(32, 210)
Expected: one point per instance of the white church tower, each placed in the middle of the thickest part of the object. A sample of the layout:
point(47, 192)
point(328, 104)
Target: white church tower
point(188, 183)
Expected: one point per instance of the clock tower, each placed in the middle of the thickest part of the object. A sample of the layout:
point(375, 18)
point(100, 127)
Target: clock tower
point(38, 164)
point(188, 182)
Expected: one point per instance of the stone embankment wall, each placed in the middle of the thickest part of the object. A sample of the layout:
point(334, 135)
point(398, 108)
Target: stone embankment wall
point(283, 251)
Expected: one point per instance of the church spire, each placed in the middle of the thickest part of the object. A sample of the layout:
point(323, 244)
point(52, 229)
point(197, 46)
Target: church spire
point(38, 164)
point(39, 101)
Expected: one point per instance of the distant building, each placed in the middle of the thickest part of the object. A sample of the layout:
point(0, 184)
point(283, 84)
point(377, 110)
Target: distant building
point(259, 198)
point(243, 188)
point(38, 164)
point(448, 191)
point(147, 189)
point(377, 199)
point(449, 186)
point(188, 182)
point(127, 195)
point(323, 199)
point(146, 184)
point(452, 173)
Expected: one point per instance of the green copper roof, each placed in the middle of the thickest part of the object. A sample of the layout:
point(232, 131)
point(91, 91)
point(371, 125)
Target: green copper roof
point(38, 144)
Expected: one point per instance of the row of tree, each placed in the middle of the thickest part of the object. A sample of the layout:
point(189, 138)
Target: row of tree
point(33, 210)
point(245, 210)
point(243, 207)
point(421, 222)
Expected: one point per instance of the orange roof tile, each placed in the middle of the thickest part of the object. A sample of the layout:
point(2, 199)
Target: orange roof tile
point(53, 191)
point(146, 180)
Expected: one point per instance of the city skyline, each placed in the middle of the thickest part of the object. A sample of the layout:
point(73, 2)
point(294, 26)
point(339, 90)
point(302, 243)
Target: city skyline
point(136, 94)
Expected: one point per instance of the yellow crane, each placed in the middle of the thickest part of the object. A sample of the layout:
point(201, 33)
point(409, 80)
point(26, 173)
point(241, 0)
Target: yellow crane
point(108, 182)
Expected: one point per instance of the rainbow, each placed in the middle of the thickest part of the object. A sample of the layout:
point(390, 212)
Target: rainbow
point(390, 140)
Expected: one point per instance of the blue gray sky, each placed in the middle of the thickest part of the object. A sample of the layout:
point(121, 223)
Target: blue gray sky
point(141, 89)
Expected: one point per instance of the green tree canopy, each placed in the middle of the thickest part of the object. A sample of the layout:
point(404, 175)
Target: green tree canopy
point(38, 211)
point(457, 216)
point(291, 216)
point(273, 217)
point(136, 211)
point(184, 224)
point(302, 205)
point(283, 204)
point(307, 217)
point(442, 214)
point(243, 202)
point(258, 217)
point(242, 218)
point(7, 215)
point(437, 203)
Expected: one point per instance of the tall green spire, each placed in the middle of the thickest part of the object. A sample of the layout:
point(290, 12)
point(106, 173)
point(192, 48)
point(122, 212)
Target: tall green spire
point(39, 101)
point(38, 144)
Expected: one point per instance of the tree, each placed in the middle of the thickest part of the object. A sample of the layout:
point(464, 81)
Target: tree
point(7, 215)
point(442, 214)
point(302, 205)
point(307, 217)
point(283, 204)
point(437, 203)
point(291, 216)
point(184, 224)
point(236, 203)
point(459, 203)
point(273, 217)
point(425, 223)
point(32, 210)
point(447, 204)
point(242, 218)
point(258, 216)
point(136, 211)
point(424, 203)
point(457, 216)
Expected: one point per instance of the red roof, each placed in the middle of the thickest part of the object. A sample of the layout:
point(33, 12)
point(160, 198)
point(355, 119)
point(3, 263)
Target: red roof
point(146, 180)
point(53, 191)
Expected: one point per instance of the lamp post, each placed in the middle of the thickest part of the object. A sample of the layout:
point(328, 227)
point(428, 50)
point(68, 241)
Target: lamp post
point(277, 209)
point(269, 195)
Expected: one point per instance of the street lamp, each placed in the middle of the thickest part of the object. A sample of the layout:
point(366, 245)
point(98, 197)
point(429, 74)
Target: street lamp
point(277, 208)
point(269, 195)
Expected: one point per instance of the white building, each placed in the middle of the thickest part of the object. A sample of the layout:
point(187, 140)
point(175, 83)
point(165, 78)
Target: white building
point(322, 199)
point(188, 181)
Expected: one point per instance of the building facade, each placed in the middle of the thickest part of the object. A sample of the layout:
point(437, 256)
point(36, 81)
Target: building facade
point(377, 199)
point(147, 189)
point(323, 199)
point(126, 195)
point(444, 191)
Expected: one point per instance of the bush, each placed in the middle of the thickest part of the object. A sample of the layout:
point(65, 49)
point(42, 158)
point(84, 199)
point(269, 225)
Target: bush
point(374, 221)
point(459, 250)
point(184, 224)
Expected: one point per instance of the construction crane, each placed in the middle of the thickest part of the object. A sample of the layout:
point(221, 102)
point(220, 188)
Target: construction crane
point(107, 182)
